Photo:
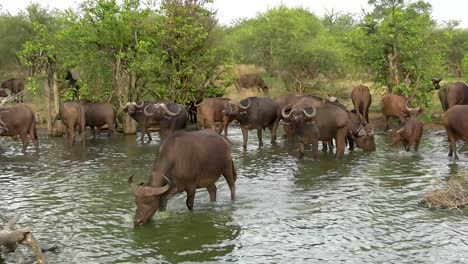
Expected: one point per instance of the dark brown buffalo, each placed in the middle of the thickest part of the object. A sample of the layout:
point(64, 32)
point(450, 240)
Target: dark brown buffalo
point(455, 121)
point(282, 102)
point(250, 81)
point(397, 106)
point(16, 87)
point(135, 111)
point(210, 111)
point(99, 114)
point(187, 161)
point(409, 133)
point(171, 117)
point(452, 94)
point(19, 120)
point(359, 133)
point(362, 100)
point(72, 115)
point(303, 124)
point(255, 113)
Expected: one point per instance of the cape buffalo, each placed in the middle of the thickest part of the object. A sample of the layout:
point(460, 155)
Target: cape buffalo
point(209, 111)
point(283, 101)
point(187, 161)
point(455, 121)
point(255, 113)
point(99, 114)
point(19, 120)
point(452, 94)
point(359, 133)
point(397, 106)
point(171, 117)
point(362, 100)
point(135, 111)
point(72, 115)
point(409, 133)
point(302, 120)
point(250, 81)
point(16, 87)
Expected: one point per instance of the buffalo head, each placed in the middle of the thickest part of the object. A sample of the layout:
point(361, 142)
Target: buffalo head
point(147, 200)
point(299, 116)
point(364, 138)
point(235, 109)
point(132, 107)
point(410, 111)
point(397, 135)
point(160, 110)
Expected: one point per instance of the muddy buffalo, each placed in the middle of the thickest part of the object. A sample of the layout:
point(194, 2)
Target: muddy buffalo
point(255, 113)
point(99, 114)
point(409, 134)
point(171, 117)
point(135, 111)
point(187, 161)
point(19, 120)
point(452, 94)
point(210, 111)
point(301, 118)
point(250, 81)
point(16, 87)
point(362, 100)
point(455, 121)
point(72, 115)
point(397, 106)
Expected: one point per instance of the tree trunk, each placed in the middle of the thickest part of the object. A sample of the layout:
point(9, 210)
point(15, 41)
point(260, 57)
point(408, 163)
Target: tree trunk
point(58, 129)
point(50, 129)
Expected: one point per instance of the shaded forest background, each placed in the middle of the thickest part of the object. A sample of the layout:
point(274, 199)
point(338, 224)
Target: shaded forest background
point(176, 50)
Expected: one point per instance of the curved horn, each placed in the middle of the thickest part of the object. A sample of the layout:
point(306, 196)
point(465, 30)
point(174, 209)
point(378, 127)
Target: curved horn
point(140, 105)
point(152, 191)
point(244, 107)
point(146, 112)
point(197, 105)
point(169, 111)
point(310, 115)
point(283, 112)
point(123, 106)
point(408, 108)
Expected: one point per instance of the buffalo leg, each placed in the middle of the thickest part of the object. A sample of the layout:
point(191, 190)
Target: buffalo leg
point(111, 128)
point(71, 135)
point(386, 122)
point(190, 198)
point(340, 143)
point(301, 150)
point(315, 149)
point(212, 191)
point(324, 146)
point(453, 147)
point(273, 129)
point(416, 145)
point(212, 125)
point(259, 135)
point(93, 130)
point(245, 136)
point(351, 143)
point(231, 176)
point(25, 140)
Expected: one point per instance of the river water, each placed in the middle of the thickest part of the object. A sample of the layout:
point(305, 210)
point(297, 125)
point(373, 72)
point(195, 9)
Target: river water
point(361, 209)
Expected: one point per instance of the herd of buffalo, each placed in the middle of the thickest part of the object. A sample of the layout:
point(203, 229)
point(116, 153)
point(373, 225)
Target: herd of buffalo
point(189, 160)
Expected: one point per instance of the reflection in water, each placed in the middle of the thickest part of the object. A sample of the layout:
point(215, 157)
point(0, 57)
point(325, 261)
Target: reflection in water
point(361, 209)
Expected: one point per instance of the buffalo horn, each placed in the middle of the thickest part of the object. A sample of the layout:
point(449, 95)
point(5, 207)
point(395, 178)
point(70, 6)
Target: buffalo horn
point(310, 115)
point(283, 112)
point(152, 191)
point(244, 107)
point(140, 105)
point(123, 106)
point(146, 112)
point(169, 111)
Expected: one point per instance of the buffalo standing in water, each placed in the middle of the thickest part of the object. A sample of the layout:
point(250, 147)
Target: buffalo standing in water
point(187, 161)
point(455, 121)
point(409, 133)
point(72, 115)
point(210, 111)
point(397, 106)
point(255, 113)
point(362, 100)
point(16, 87)
point(171, 117)
point(135, 111)
point(99, 114)
point(19, 120)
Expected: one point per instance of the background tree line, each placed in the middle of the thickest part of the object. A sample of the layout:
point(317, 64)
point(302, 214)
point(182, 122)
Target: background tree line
point(176, 50)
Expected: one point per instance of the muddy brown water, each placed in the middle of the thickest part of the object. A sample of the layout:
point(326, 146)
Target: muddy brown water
point(362, 209)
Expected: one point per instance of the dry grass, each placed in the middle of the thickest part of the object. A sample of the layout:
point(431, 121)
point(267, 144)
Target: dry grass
point(454, 195)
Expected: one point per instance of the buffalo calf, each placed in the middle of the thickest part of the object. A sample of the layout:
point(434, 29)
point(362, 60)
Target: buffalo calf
point(409, 133)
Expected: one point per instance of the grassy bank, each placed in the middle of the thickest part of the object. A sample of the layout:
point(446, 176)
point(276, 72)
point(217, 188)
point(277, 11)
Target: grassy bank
point(453, 195)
